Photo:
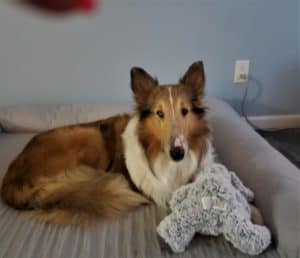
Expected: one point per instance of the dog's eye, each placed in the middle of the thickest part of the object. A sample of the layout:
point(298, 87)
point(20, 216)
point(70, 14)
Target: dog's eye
point(160, 114)
point(184, 111)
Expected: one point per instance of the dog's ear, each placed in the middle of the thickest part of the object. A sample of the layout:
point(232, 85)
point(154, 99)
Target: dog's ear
point(142, 84)
point(194, 78)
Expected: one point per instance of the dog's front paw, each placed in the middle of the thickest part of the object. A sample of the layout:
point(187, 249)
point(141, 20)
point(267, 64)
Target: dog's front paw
point(256, 216)
point(162, 198)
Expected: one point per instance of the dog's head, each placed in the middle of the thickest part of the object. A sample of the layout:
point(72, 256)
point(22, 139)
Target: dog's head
point(171, 116)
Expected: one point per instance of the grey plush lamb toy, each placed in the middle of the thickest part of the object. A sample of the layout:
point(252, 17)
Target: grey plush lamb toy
point(216, 203)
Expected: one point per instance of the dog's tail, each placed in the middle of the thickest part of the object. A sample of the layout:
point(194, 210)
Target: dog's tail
point(75, 196)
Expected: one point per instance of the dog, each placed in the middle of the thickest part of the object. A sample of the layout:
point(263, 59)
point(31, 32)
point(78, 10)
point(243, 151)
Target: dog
point(105, 168)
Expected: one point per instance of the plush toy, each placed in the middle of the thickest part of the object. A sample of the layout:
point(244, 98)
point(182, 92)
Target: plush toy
point(216, 203)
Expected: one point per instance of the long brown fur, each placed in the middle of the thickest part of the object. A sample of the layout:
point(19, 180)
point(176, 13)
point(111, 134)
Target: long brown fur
point(76, 197)
point(74, 173)
point(61, 176)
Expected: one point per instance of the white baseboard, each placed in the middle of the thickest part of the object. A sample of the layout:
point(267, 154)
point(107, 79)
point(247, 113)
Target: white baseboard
point(276, 121)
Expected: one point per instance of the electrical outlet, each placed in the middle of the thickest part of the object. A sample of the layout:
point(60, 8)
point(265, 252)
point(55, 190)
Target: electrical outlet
point(241, 72)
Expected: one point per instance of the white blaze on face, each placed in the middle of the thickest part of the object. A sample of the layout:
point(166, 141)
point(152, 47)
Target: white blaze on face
point(172, 103)
point(179, 141)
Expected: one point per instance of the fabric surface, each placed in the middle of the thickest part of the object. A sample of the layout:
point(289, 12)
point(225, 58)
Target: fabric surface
point(287, 141)
point(131, 236)
point(274, 180)
point(34, 118)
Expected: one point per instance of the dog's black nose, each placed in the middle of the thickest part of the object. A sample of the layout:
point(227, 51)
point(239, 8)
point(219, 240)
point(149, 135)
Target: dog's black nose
point(177, 153)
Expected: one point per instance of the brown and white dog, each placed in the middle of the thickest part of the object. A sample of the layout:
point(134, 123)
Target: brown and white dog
point(105, 168)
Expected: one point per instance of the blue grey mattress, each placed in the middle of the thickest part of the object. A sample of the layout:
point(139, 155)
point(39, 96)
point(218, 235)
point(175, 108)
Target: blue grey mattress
point(274, 180)
point(132, 236)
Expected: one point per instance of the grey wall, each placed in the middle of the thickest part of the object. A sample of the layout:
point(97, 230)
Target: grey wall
point(87, 59)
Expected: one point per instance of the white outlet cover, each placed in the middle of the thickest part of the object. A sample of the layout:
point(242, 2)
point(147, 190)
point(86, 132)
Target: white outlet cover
point(241, 71)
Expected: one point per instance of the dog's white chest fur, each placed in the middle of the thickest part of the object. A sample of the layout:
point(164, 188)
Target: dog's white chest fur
point(160, 181)
point(175, 174)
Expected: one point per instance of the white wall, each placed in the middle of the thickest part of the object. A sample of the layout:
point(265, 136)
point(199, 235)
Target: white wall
point(87, 59)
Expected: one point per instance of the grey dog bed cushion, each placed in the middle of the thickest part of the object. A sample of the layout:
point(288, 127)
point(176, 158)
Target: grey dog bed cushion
point(35, 118)
point(274, 180)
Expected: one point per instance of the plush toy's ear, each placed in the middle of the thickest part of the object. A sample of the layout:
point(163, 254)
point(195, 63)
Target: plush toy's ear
point(141, 84)
point(194, 78)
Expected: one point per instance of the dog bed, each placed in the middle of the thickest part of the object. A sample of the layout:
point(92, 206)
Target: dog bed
point(271, 176)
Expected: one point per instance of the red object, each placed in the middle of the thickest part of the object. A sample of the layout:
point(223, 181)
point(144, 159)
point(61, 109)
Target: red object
point(62, 6)
point(87, 5)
